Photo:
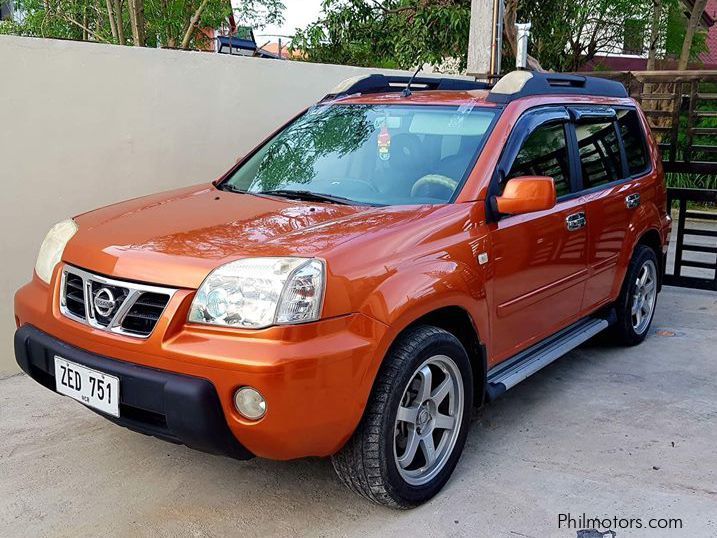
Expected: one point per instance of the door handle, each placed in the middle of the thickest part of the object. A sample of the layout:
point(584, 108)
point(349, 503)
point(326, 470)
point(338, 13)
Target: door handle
point(632, 200)
point(576, 221)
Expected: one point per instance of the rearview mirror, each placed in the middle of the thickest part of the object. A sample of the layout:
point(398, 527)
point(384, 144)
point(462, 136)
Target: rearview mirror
point(526, 194)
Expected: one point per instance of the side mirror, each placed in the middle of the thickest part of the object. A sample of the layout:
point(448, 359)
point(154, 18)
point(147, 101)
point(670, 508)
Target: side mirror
point(526, 194)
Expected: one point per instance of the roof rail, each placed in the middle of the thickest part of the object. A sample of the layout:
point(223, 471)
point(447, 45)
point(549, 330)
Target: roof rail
point(519, 84)
point(378, 83)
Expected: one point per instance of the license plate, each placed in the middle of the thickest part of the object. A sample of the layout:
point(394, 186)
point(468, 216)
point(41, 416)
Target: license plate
point(90, 387)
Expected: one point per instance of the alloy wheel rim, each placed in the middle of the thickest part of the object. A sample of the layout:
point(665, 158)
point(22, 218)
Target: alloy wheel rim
point(428, 420)
point(644, 297)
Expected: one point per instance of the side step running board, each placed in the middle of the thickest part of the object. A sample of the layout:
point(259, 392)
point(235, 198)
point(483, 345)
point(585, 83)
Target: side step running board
point(509, 373)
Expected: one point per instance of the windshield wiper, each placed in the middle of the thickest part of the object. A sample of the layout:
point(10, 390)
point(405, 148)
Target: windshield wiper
point(308, 196)
point(231, 188)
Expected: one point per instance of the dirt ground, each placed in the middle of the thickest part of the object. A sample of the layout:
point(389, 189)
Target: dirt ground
point(603, 431)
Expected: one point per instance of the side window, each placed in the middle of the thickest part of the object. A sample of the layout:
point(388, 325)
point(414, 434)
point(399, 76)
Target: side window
point(633, 138)
point(599, 153)
point(544, 153)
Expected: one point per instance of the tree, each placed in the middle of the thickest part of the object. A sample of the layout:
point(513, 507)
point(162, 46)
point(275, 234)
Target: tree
point(137, 22)
point(407, 33)
point(672, 32)
point(698, 8)
point(566, 35)
point(153, 23)
point(655, 25)
point(387, 33)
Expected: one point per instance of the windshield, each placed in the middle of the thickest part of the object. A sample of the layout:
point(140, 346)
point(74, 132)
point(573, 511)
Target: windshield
point(369, 154)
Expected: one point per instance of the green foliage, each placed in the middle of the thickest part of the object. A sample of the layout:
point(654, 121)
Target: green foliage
point(294, 152)
point(696, 181)
point(698, 141)
point(387, 33)
point(550, 31)
point(675, 28)
point(407, 33)
point(692, 181)
point(565, 35)
point(166, 21)
point(44, 20)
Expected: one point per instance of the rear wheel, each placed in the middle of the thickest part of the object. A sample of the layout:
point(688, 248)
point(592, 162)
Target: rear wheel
point(415, 424)
point(636, 305)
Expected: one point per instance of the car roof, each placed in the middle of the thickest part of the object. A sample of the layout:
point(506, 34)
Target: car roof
point(393, 89)
point(436, 97)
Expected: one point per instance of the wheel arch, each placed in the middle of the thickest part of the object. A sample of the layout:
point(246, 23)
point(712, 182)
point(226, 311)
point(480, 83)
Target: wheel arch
point(646, 234)
point(651, 238)
point(458, 321)
point(445, 293)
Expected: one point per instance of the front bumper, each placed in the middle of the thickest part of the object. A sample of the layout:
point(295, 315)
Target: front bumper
point(172, 407)
point(316, 377)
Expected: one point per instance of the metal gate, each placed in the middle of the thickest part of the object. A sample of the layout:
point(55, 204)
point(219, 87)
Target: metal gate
point(692, 260)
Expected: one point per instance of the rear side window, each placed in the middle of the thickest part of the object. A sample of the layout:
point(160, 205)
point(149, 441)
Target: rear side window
point(544, 153)
point(633, 138)
point(599, 153)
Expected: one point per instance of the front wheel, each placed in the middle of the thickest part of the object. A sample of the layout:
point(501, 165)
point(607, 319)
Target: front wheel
point(636, 305)
point(415, 424)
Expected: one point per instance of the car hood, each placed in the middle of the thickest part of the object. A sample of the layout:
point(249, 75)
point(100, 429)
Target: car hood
point(176, 238)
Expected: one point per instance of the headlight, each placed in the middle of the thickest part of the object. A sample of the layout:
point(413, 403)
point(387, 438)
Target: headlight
point(259, 292)
point(52, 248)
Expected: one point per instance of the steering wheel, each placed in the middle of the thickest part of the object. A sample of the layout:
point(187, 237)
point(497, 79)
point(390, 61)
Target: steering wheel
point(433, 180)
point(348, 181)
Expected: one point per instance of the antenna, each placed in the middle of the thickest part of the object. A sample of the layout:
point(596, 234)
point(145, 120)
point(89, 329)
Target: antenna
point(407, 91)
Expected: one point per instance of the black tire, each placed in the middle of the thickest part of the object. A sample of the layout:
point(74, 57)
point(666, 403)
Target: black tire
point(367, 464)
point(624, 330)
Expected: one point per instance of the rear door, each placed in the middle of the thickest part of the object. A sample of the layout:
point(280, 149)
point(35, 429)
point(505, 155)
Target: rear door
point(540, 259)
point(612, 153)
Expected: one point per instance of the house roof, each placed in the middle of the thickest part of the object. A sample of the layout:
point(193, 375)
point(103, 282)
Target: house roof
point(273, 48)
point(286, 53)
point(710, 56)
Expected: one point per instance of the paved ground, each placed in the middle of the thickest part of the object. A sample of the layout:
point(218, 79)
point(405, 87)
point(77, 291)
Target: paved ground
point(605, 431)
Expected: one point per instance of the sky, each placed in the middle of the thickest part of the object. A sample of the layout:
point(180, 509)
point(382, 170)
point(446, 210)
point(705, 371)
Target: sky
point(298, 14)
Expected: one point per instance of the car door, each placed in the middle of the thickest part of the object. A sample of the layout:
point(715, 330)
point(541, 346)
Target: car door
point(539, 259)
point(607, 179)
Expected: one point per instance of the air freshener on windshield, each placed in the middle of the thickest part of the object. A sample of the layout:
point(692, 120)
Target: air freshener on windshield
point(384, 144)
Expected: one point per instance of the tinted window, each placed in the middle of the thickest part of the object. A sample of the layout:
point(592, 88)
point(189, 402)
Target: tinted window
point(633, 138)
point(545, 153)
point(599, 153)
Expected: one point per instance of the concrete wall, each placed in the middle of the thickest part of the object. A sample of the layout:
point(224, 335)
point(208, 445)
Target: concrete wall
point(84, 125)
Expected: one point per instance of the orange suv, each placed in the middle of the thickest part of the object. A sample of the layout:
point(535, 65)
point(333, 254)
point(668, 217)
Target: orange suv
point(394, 255)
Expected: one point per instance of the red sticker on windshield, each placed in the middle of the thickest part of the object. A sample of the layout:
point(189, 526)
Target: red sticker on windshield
point(384, 144)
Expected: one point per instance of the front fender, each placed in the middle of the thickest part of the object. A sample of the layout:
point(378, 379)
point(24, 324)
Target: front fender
point(414, 291)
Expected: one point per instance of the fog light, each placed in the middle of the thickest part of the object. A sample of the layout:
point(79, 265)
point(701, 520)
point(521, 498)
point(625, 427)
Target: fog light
point(250, 403)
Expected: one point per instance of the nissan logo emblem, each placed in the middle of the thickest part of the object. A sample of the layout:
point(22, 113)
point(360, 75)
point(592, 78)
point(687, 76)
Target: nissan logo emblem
point(104, 302)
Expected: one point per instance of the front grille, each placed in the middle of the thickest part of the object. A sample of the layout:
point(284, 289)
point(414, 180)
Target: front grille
point(112, 305)
point(118, 294)
point(144, 313)
point(75, 295)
